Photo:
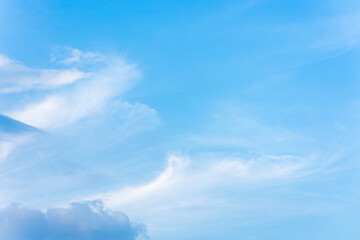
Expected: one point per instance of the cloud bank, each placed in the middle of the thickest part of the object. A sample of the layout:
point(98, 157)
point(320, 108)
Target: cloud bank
point(80, 221)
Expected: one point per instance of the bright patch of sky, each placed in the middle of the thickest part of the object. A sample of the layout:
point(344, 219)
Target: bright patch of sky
point(179, 119)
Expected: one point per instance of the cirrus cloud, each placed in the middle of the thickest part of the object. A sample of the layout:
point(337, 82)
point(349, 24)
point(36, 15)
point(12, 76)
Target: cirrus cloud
point(16, 77)
point(65, 106)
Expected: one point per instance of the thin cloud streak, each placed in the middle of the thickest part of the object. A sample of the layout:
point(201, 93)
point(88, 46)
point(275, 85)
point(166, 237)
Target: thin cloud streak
point(180, 172)
point(186, 184)
point(16, 77)
point(83, 99)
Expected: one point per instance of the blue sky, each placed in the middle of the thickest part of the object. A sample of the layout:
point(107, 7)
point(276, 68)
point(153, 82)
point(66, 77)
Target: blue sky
point(179, 119)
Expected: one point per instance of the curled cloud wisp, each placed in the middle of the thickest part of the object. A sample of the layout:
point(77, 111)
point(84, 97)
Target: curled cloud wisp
point(193, 189)
point(185, 185)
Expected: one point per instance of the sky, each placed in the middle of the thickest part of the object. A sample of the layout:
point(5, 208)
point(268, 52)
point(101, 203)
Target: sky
point(173, 120)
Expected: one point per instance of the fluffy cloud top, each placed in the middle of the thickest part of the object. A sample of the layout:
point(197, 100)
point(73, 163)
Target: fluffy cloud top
point(80, 221)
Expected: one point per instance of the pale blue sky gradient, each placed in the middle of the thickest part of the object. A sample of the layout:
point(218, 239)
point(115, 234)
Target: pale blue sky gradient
point(198, 119)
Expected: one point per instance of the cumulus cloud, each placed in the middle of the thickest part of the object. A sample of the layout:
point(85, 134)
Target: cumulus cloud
point(80, 221)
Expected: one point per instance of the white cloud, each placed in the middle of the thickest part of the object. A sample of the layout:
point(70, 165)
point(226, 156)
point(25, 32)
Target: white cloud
point(340, 32)
point(181, 172)
point(68, 105)
point(18, 77)
point(77, 56)
point(82, 220)
point(5, 149)
point(5, 61)
point(187, 184)
point(69, 95)
point(12, 134)
point(9, 142)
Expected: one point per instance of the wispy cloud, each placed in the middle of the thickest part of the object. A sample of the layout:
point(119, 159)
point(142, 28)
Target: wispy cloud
point(320, 38)
point(8, 143)
point(61, 97)
point(12, 134)
point(340, 32)
point(79, 57)
point(66, 106)
point(5, 149)
point(180, 172)
point(187, 183)
point(17, 77)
